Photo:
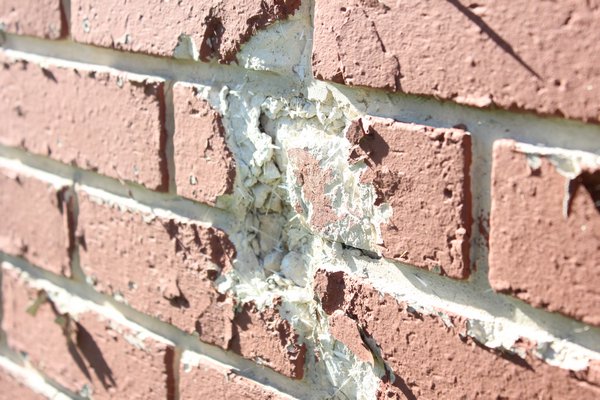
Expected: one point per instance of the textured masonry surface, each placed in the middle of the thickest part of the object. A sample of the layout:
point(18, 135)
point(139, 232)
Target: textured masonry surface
point(299, 199)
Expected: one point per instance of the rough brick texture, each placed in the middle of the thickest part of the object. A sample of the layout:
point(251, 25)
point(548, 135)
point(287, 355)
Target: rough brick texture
point(185, 217)
point(431, 359)
point(543, 250)
point(214, 28)
point(37, 213)
point(95, 120)
point(518, 54)
point(42, 18)
point(205, 168)
point(93, 352)
point(166, 269)
point(422, 173)
point(13, 389)
point(210, 381)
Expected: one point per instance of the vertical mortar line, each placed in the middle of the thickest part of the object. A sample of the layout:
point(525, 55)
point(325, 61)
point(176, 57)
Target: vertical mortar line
point(481, 169)
point(3, 343)
point(173, 372)
point(77, 273)
point(66, 14)
point(170, 132)
point(310, 43)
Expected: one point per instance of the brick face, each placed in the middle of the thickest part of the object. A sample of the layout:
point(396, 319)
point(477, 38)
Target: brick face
point(422, 173)
point(210, 381)
point(167, 269)
point(37, 213)
point(538, 253)
point(216, 28)
point(205, 168)
point(12, 389)
point(189, 250)
point(26, 314)
point(95, 120)
point(42, 18)
point(526, 55)
point(433, 360)
point(86, 350)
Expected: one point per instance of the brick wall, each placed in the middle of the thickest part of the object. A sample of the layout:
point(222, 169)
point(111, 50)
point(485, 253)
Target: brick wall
point(299, 199)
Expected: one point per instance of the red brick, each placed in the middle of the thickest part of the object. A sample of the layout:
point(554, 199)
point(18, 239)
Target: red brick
point(95, 120)
point(211, 381)
point(31, 326)
point(345, 329)
point(432, 360)
point(119, 368)
point(12, 389)
point(205, 168)
point(520, 54)
point(166, 269)
point(423, 174)
point(85, 350)
point(217, 28)
point(537, 252)
point(264, 335)
point(159, 266)
point(35, 217)
point(42, 18)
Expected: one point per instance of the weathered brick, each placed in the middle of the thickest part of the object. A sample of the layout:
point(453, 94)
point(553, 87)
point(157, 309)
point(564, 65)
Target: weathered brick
point(166, 269)
point(96, 120)
point(35, 218)
point(42, 18)
point(211, 381)
point(32, 326)
point(545, 234)
point(12, 389)
point(122, 367)
point(215, 28)
point(205, 168)
point(422, 173)
point(86, 351)
point(159, 266)
point(433, 359)
point(520, 54)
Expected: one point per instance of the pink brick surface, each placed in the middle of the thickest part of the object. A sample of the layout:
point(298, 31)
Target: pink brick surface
point(35, 217)
point(422, 173)
point(98, 121)
point(86, 350)
point(42, 18)
point(204, 166)
point(13, 389)
point(541, 251)
point(217, 28)
point(167, 269)
point(210, 381)
point(432, 359)
point(519, 54)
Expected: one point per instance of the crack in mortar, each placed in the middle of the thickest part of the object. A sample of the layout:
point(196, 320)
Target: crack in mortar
point(277, 253)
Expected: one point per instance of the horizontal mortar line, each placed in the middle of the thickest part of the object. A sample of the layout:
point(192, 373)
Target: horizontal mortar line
point(71, 54)
point(33, 379)
point(431, 288)
point(121, 313)
point(130, 194)
point(120, 193)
